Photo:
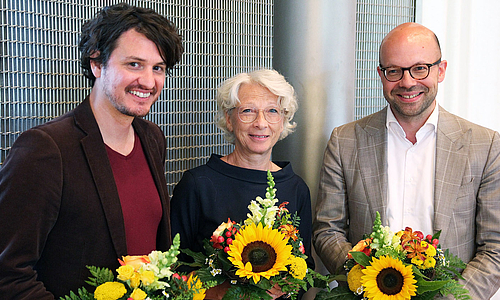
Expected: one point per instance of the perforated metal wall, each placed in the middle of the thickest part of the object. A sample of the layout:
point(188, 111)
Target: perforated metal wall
point(374, 19)
point(40, 76)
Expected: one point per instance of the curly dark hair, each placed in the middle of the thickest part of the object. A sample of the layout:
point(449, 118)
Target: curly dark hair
point(100, 35)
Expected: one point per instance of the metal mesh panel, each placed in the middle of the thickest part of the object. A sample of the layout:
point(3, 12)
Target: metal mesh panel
point(374, 19)
point(41, 78)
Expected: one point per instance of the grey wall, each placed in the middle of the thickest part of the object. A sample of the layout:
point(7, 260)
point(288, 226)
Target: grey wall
point(314, 48)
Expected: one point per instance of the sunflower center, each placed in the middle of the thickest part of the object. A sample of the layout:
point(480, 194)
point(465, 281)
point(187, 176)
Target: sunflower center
point(390, 281)
point(261, 255)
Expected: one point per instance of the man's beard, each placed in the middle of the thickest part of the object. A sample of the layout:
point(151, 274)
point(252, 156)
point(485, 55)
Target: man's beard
point(124, 109)
point(401, 107)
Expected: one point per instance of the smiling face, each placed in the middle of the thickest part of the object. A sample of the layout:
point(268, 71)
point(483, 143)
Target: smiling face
point(405, 46)
point(133, 77)
point(260, 136)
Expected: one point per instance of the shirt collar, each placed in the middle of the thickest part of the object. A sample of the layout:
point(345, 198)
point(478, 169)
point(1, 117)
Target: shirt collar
point(432, 120)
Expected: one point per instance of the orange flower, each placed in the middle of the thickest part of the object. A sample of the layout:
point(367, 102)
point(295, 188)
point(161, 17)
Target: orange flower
point(223, 227)
point(361, 246)
point(409, 235)
point(411, 243)
point(134, 260)
point(289, 231)
point(282, 209)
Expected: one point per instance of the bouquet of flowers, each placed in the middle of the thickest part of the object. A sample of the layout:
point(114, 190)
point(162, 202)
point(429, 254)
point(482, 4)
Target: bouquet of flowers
point(401, 265)
point(142, 277)
point(263, 252)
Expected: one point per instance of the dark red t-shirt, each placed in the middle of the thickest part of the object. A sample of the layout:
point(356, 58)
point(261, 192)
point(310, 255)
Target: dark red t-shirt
point(139, 198)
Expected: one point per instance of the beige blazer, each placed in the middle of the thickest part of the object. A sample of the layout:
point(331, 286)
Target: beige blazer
point(353, 187)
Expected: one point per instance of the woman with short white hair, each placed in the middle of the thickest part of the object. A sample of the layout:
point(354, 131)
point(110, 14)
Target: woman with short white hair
point(255, 111)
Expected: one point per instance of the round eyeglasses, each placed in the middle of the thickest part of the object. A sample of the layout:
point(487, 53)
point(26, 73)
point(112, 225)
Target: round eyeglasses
point(418, 71)
point(249, 114)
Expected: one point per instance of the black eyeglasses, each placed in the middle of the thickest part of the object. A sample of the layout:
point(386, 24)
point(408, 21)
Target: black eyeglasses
point(418, 71)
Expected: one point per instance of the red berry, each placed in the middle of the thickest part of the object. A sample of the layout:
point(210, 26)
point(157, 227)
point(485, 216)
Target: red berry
point(429, 237)
point(229, 241)
point(419, 234)
point(176, 276)
point(435, 241)
point(229, 233)
point(220, 239)
point(226, 249)
point(184, 278)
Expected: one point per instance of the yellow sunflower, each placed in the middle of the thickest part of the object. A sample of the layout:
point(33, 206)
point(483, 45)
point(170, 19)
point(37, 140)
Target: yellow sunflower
point(388, 278)
point(259, 251)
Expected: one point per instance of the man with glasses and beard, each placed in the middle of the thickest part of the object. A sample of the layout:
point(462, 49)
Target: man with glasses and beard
point(417, 165)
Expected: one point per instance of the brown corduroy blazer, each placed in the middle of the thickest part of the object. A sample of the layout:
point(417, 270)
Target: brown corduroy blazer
point(59, 206)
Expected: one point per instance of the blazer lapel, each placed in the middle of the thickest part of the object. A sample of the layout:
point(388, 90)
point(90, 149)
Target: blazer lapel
point(372, 144)
point(102, 173)
point(452, 147)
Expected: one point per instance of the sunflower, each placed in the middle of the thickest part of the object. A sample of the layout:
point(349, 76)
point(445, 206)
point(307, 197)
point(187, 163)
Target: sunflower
point(388, 278)
point(259, 251)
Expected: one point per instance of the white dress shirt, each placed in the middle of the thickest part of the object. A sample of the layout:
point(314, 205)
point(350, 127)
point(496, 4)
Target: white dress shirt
point(410, 200)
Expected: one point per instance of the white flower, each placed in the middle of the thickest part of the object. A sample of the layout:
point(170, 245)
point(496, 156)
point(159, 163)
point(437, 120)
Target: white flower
point(267, 202)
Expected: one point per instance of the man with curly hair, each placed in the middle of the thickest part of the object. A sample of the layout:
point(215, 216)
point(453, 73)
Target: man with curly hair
point(89, 186)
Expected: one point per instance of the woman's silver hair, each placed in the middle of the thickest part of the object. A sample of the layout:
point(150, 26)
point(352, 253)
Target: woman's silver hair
point(227, 98)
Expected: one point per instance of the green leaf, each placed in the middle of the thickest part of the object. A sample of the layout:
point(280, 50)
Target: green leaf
point(427, 286)
point(199, 258)
point(425, 296)
point(83, 294)
point(247, 292)
point(99, 276)
point(436, 235)
point(361, 258)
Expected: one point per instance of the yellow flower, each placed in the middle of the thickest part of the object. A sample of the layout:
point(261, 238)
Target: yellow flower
point(259, 251)
point(195, 284)
point(125, 272)
point(138, 294)
point(135, 280)
point(110, 291)
point(354, 278)
point(298, 267)
point(388, 279)
point(147, 277)
point(417, 261)
point(429, 262)
point(431, 251)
